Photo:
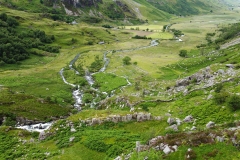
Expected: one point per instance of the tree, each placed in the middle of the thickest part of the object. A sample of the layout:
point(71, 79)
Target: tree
point(126, 60)
point(183, 53)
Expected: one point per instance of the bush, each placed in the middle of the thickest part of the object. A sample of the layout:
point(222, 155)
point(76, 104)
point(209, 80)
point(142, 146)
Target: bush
point(126, 60)
point(183, 53)
point(234, 102)
point(218, 88)
point(221, 98)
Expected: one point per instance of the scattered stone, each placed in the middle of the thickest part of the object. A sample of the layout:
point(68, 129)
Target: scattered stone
point(220, 139)
point(118, 158)
point(209, 97)
point(230, 65)
point(193, 128)
point(42, 136)
point(175, 147)
point(47, 153)
point(172, 127)
point(221, 71)
point(167, 150)
point(158, 118)
point(73, 129)
point(171, 121)
point(71, 139)
point(178, 121)
point(210, 124)
point(188, 118)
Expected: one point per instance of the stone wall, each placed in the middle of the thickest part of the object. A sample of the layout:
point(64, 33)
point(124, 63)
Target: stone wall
point(118, 118)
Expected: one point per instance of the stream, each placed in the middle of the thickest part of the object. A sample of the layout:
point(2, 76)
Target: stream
point(78, 93)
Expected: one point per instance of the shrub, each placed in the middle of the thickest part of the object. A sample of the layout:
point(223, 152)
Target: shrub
point(183, 53)
point(126, 60)
point(221, 98)
point(218, 88)
point(234, 102)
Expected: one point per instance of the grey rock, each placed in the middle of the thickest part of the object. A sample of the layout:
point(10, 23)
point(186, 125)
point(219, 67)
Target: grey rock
point(71, 139)
point(175, 147)
point(188, 118)
point(221, 71)
point(167, 150)
point(230, 65)
point(73, 129)
point(129, 117)
point(209, 97)
point(210, 125)
point(193, 128)
point(170, 120)
point(118, 158)
point(219, 139)
point(96, 121)
point(42, 136)
point(178, 121)
point(172, 127)
point(182, 82)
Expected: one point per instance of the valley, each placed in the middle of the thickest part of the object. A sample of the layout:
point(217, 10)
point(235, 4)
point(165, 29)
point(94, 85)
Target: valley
point(146, 84)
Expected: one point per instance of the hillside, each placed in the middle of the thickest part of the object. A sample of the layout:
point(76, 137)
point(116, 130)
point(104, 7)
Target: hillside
point(133, 80)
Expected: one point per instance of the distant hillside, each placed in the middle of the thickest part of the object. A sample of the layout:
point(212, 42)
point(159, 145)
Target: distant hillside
point(180, 7)
point(140, 10)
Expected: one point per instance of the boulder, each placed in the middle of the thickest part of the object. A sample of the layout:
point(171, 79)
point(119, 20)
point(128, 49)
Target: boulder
point(188, 118)
point(230, 65)
point(95, 121)
point(210, 125)
point(209, 97)
point(193, 128)
point(42, 136)
point(71, 139)
point(172, 127)
point(221, 71)
point(182, 82)
point(167, 150)
point(170, 121)
point(219, 139)
point(129, 117)
point(73, 129)
point(178, 121)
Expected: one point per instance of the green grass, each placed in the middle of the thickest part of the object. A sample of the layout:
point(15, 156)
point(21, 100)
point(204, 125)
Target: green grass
point(223, 151)
point(109, 82)
point(37, 80)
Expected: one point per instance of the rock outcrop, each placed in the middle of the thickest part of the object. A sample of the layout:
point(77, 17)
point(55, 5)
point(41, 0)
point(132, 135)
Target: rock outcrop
point(82, 3)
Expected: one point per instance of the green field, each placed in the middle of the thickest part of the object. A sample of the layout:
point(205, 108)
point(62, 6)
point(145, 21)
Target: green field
point(33, 88)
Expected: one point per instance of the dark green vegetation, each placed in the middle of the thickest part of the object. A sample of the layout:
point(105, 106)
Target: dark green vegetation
point(136, 79)
point(126, 60)
point(183, 53)
point(17, 43)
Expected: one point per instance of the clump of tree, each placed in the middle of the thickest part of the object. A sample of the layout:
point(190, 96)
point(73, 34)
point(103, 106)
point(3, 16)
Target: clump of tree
point(126, 60)
point(228, 32)
point(141, 37)
point(176, 32)
point(96, 65)
point(106, 26)
point(183, 53)
point(16, 43)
